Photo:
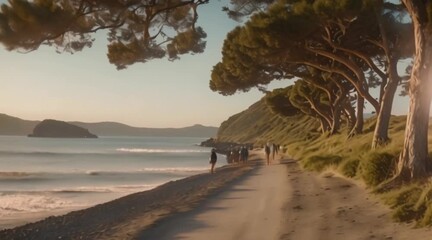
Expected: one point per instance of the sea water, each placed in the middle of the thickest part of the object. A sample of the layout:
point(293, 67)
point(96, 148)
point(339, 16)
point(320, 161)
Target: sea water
point(47, 174)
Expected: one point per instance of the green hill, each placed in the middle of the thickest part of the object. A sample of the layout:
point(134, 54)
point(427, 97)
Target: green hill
point(258, 125)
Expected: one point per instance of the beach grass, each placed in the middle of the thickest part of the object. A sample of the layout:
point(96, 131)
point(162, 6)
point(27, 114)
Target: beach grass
point(354, 158)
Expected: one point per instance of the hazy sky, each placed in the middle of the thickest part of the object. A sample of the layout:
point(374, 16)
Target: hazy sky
point(85, 87)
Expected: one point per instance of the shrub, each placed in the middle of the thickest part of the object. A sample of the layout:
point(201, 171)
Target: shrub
point(427, 216)
point(318, 163)
point(349, 168)
point(404, 201)
point(404, 213)
point(424, 204)
point(377, 167)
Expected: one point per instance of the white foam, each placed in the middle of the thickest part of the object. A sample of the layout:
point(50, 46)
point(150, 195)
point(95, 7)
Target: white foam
point(158, 150)
point(14, 174)
point(107, 189)
point(175, 169)
point(14, 203)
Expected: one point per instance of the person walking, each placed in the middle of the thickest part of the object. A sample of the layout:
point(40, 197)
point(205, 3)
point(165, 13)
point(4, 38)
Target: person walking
point(267, 152)
point(213, 160)
point(274, 151)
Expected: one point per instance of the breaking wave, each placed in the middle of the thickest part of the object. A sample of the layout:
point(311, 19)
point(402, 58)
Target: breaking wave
point(159, 150)
point(14, 203)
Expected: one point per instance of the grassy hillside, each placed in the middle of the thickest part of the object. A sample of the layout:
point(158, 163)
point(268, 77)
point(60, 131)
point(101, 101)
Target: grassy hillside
point(352, 158)
point(259, 125)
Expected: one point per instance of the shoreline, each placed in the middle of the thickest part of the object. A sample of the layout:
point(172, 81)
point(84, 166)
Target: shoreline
point(240, 201)
point(143, 208)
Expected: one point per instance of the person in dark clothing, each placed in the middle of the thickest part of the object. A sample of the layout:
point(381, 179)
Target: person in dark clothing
point(267, 152)
point(213, 159)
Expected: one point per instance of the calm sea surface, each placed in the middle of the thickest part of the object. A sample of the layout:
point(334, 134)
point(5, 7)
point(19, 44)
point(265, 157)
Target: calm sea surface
point(46, 174)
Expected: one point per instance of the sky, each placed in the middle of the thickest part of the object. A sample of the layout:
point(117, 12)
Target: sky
point(85, 87)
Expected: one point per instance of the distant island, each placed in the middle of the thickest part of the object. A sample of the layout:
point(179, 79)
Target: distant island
point(59, 129)
point(14, 126)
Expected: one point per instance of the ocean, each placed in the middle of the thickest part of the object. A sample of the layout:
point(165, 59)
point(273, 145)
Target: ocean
point(47, 174)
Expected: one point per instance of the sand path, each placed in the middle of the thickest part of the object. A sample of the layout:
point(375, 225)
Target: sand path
point(281, 201)
point(323, 206)
point(250, 209)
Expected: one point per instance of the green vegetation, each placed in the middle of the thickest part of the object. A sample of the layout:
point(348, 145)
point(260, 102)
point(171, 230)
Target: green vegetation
point(377, 167)
point(352, 157)
point(319, 163)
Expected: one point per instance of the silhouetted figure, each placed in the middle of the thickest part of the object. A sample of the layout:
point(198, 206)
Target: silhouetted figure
point(228, 157)
point(243, 154)
point(213, 159)
point(235, 155)
point(267, 152)
point(246, 153)
point(274, 150)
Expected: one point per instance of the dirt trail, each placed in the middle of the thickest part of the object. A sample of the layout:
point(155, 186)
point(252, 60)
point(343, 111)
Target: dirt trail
point(281, 201)
point(248, 209)
point(324, 206)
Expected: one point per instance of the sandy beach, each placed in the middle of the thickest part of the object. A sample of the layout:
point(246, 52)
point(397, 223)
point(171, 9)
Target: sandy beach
point(243, 201)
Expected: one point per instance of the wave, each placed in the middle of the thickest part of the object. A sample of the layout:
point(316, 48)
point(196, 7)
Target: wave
point(95, 153)
point(14, 203)
point(159, 150)
point(155, 170)
point(14, 174)
point(49, 154)
point(18, 176)
point(21, 176)
point(175, 169)
point(107, 189)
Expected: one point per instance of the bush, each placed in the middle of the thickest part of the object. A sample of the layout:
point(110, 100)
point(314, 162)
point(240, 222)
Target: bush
point(427, 216)
point(404, 213)
point(424, 204)
point(318, 163)
point(349, 168)
point(377, 167)
point(405, 201)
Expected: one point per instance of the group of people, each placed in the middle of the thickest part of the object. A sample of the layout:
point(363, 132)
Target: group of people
point(241, 154)
point(271, 149)
point(237, 155)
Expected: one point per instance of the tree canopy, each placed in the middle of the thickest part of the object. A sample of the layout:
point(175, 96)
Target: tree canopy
point(138, 31)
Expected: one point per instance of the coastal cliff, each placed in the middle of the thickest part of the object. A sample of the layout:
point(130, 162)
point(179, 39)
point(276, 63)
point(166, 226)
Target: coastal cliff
point(59, 129)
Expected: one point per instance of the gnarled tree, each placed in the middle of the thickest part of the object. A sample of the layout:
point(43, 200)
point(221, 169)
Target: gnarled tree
point(414, 162)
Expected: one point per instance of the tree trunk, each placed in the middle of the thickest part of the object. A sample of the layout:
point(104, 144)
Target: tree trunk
point(381, 129)
point(359, 83)
point(414, 162)
point(336, 119)
point(320, 112)
point(358, 128)
point(351, 113)
point(324, 124)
